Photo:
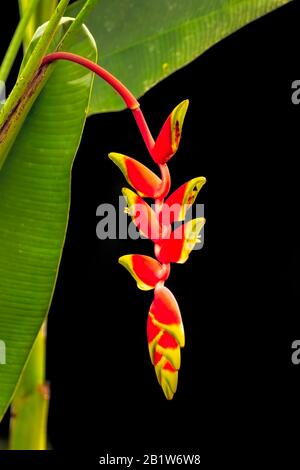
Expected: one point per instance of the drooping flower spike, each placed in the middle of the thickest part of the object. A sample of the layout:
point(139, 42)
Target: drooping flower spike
point(165, 331)
point(143, 216)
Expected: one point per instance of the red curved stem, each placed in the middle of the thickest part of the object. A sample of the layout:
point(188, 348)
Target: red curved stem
point(130, 101)
point(165, 184)
point(144, 129)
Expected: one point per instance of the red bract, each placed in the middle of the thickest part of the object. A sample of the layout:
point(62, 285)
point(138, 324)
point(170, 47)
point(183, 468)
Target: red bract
point(147, 271)
point(138, 175)
point(164, 325)
point(181, 200)
point(168, 140)
point(142, 215)
point(177, 247)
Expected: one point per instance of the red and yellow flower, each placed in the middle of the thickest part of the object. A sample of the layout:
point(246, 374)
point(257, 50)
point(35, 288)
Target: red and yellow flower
point(145, 182)
point(168, 139)
point(165, 331)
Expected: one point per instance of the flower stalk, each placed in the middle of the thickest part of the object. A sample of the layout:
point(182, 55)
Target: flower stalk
point(129, 99)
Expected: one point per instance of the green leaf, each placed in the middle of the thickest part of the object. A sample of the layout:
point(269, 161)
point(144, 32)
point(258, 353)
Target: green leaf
point(42, 14)
point(29, 408)
point(34, 206)
point(142, 42)
point(29, 83)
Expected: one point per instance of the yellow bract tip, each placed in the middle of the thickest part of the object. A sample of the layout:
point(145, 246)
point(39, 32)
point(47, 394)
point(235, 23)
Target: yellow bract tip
point(177, 118)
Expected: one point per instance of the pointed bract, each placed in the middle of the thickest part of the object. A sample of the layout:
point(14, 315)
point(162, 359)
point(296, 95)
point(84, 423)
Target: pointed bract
point(142, 215)
point(178, 246)
point(145, 270)
point(178, 203)
point(168, 139)
point(143, 180)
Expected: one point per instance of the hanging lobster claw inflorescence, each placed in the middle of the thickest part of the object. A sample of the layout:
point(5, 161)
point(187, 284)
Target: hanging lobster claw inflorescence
point(165, 331)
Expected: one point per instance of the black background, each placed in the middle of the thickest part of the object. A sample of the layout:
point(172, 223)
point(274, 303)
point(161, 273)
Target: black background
point(238, 396)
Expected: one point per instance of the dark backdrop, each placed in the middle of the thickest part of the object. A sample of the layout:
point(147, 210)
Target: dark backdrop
point(238, 396)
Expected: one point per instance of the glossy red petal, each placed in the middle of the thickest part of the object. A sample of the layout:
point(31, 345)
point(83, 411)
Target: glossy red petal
point(178, 203)
point(164, 307)
point(168, 139)
point(145, 270)
point(169, 367)
point(157, 358)
point(143, 215)
point(167, 341)
point(178, 246)
point(152, 330)
point(143, 180)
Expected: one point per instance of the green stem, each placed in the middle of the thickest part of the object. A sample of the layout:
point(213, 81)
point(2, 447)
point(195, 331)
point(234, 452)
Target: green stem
point(29, 412)
point(22, 96)
point(41, 14)
point(16, 41)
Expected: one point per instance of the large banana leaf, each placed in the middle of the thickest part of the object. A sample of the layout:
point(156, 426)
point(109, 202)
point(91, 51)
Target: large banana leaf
point(34, 206)
point(142, 41)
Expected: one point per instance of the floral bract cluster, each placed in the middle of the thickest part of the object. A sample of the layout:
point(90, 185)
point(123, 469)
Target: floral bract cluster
point(165, 331)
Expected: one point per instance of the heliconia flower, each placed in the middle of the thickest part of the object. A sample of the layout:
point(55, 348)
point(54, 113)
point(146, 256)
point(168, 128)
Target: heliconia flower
point(165, 331)
point(142, 215)
point(176, 206)
point(177, 247)
point(165, 335)
point(143, 180)
point(168, 139)
point(147, 271)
